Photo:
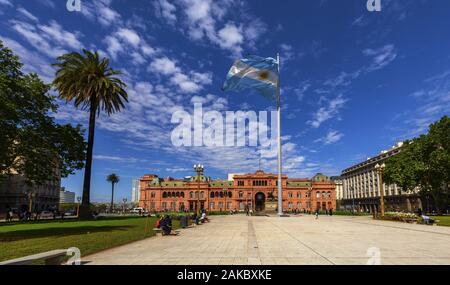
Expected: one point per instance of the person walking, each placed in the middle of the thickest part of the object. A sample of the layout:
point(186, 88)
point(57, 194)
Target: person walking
point(317, 214)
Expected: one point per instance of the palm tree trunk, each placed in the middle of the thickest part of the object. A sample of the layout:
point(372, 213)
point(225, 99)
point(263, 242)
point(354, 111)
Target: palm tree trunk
point(85, 212)
point(112, 199)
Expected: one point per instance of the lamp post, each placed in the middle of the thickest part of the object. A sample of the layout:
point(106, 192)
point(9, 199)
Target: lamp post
point(380, 169)
point(198, 168)
point(30, 195)
point(78, 206)
point(124, 203)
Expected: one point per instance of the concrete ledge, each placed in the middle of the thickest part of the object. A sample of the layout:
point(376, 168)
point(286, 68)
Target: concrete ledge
point(54, 257)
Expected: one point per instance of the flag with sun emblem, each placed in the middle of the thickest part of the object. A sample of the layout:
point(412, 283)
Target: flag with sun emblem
point(254, 72)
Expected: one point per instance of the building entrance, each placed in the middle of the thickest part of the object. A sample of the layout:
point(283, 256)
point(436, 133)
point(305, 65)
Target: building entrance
point(260, 202)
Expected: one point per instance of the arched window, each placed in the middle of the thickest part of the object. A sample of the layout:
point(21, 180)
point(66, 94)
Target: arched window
point(191, 195)
point(323, 194)
point(317, 194)
point(177, 194)
point(182, 195)
point(202, 195)
point(299, 194)
point(241, 194)
point(290, 194)
point(211, 195)
point(230, 195)
point(221, 194)
point(329, 195)
point(153, 195)
point(164, 195)
point(217, 194)
point(173, 194)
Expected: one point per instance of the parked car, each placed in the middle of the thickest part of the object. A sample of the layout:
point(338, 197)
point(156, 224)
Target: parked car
point(137, 211)
point(46, 215)
point(70, 213)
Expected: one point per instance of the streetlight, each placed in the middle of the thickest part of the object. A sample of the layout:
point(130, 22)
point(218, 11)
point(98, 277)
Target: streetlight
point(124, 203)
point(30, 195)
point(78, 206)
point(380, 169)
point(198, 168)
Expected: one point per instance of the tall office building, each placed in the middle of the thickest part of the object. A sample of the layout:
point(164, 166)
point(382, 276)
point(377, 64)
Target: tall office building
point(135, 190)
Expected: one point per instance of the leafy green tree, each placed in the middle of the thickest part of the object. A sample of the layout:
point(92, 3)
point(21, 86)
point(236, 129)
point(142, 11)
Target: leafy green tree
point(113, 179)
point(425, 163)
point(32, 144)
point(89, 81)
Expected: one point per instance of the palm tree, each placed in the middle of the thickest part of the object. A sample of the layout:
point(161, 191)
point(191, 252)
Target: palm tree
point(113, 179)
point(92, 84)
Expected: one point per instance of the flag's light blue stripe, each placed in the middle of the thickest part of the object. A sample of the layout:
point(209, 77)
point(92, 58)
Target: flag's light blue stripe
point(240, 69)
point(262, 63)
point(238, 84)
point(254, 72)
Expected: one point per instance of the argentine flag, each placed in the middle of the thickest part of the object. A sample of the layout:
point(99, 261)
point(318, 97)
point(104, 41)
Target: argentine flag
point(254, 72)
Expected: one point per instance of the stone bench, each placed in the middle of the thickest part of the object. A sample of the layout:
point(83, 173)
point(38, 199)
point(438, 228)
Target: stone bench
point(53, 257)
point(159, 232)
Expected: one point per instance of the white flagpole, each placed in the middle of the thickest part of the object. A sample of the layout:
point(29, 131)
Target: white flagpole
point(280, 191)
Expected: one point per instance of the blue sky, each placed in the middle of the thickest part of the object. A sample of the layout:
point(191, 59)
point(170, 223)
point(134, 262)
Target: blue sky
point(353, 82)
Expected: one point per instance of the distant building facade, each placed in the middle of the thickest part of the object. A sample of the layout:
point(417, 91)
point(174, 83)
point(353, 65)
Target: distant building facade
point(252, 190)
point(339, 187)
point(66, 197)
point(361, 187)
point(16, 194)
point(135, 190)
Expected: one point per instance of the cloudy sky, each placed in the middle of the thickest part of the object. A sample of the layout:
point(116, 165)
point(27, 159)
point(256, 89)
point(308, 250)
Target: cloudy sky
point(353, 82)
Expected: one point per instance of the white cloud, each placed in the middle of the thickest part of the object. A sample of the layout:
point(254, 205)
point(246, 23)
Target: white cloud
point(48, 3)
point(328, 112)
point(204, 20)
point(101, 11)
point(33, 62)
point(164, 65)
point(35, 38)
point(127, 41)
point(55, 33)
point(6, 3)
point(381, 57)
point(27, 14)
point(129, 36)
point(188, 83)
point(231, 37)
point(166, 10)
point(331, 137)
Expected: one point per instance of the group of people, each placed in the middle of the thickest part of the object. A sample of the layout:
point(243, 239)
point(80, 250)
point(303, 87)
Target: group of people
point(165, 222)
point(327, 212)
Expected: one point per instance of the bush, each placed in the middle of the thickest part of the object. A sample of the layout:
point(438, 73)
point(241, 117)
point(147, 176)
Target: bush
point(350, 213)
point(399, 216)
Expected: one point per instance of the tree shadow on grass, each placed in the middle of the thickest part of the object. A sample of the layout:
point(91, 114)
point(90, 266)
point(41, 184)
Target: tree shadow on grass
point(57, 232)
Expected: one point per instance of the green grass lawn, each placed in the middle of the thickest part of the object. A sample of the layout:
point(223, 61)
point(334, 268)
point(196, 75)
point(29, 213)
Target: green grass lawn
point(18, 240)
point(443, 220)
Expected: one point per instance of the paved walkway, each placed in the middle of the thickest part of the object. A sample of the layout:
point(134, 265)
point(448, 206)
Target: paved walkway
point(295, 240)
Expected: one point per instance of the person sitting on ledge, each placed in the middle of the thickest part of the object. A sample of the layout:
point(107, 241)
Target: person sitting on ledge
point(166, 226)
point(427, 220)
point(204, 219)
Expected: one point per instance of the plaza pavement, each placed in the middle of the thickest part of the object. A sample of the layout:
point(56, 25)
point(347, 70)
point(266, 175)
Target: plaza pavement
point(301, 240)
